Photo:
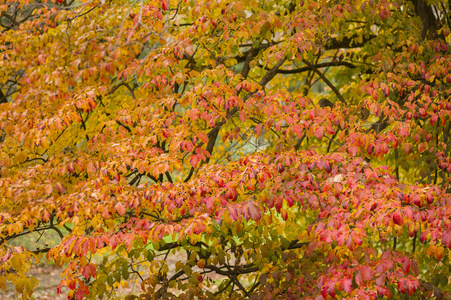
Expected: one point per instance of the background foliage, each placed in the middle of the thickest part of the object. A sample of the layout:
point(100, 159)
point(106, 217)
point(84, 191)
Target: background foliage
point(278, 149)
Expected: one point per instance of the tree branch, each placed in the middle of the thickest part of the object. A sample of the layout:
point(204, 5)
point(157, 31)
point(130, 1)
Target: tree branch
point(348, 42)
point(250, 55)
point(321, 65)
point(123, 83)
point(334, 89)
point(430, 23)
point(213, 133)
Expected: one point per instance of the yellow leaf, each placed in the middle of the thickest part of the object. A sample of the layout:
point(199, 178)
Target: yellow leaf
point(20, 284)
point(3, 283)
point(110, 223)
point(21, 156)
point(30, 284)
point(438, 252)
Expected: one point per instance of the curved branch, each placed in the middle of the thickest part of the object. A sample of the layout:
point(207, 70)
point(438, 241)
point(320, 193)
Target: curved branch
point(270, 75)
point(322, 65)
point(324, 78)
point(45, 250)
point(348, 42)
point(126, 85)
point(250, 55)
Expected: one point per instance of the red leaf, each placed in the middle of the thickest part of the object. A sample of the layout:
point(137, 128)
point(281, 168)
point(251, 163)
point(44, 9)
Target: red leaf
point(79, 294)
point(353, 150)
point(407, 148)
point(404, 131)
point(106, 213)
point(231, 194)
point(411, 285)
point(194, 160)
point(233, 213)
point(72, 284)
point(398, 218)
point(319, 131)
point(258, 130)
point(422, 147)
point(330, 130)
point(188, 146)
point(434, 118)
point(297, 129)
point(243, 116)
point(446, 240)
point(380, 281)
point(209, 202)
point(164, 4)
point(331, 288)
point(113, 242)
point(45, 215)
point(383, 291)
point(288, 161)
point(367, 273)
point(359, 278)
point(406, 265)
point(89, 271)
point(254, 211)
point(71, 168)
point(347, 284)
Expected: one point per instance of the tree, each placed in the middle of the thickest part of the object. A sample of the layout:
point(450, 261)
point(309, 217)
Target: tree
point(279, 149)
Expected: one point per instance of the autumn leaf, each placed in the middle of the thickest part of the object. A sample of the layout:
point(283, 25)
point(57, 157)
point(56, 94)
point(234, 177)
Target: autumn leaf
point(367, 273)
point(203, 137)
point(398, 218)
point(60, 188)
point(201, 263)
point(120, 208)
point(89, 271)
point(48, 189)
point(194, 133)
point(90, 168)
point(446, 240)
point(346, 284)
point(254, 211)
point(319, 132)
point(404, 131)
point(194, 160)
point(165, 4)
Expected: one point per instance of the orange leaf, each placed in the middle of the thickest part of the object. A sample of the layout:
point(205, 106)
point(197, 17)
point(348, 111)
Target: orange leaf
point(90, 168)
point(201, 263)
point(203, 137)
point(48, 189)
point(120, 208)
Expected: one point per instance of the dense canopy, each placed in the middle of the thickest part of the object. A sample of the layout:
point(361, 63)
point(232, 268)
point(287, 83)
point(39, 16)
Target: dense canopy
point(275, 149)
